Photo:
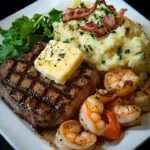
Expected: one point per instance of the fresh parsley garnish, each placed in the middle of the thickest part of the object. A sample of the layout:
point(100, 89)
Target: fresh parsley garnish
point(127, 51)
point(25, 32)
point(119, 52)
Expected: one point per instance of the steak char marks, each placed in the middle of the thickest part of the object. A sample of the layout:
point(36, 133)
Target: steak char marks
point(38, 100)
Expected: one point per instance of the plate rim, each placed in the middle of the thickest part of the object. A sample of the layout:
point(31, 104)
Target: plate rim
point(2, 23)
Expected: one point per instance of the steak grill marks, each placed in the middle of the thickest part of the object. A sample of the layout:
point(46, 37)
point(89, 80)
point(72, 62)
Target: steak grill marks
point(26, 83)
point(39, 100)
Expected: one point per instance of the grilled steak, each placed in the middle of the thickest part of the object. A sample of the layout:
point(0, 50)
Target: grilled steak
point(40, 101)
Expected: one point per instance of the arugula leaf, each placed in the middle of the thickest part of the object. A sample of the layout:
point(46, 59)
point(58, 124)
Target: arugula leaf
point(2, 31)
point(55, 15)
point(25, 32)
point(37, 19)
point(43, 26)
point(23, 25)
point(13, 45)
point(6, 52)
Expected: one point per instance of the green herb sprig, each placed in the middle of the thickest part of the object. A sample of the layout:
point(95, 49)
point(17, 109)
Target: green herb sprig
point(25, 32)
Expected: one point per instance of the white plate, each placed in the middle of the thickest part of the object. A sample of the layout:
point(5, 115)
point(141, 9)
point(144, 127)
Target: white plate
point(20, 135)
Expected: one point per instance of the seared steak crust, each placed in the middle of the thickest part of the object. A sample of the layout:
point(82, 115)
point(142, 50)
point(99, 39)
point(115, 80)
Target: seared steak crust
point(40, 101)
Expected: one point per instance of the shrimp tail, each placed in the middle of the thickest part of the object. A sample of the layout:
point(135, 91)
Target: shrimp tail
point(113, 128)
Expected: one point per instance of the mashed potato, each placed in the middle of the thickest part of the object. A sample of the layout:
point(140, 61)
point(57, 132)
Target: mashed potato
point(127, 45)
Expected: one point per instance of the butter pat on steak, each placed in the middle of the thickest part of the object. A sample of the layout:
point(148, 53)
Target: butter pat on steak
point(58, 61)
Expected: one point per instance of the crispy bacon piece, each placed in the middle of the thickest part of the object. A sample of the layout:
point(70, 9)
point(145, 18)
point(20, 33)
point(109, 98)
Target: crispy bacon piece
point(119, 16)
point(93, 28)
point(109, 23)
point(90, 27)
point(78, 13)
point(111, 7)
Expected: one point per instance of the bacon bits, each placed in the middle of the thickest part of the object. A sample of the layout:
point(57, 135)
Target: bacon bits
point(109, 23)
point(78, 13)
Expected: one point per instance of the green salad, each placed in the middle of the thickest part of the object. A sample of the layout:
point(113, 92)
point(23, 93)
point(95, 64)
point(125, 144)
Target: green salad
point(25, 32)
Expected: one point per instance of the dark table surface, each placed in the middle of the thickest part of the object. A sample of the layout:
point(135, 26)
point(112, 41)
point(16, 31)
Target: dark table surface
point(5, 10)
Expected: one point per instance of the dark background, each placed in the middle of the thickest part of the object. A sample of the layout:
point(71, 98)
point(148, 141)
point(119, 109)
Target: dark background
point(8, 7)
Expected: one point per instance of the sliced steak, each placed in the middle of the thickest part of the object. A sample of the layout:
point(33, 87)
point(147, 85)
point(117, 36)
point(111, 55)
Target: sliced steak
point(40, 101)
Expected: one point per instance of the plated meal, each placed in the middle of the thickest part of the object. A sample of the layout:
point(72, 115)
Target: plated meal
point(83, 73)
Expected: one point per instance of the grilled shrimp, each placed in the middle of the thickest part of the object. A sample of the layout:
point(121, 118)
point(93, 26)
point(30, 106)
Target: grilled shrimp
point(123, 81)
point(90, 115)
point(70, 136)
point(106, 96)
point(90, 118)
point(142, 98)
point(127, 114)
